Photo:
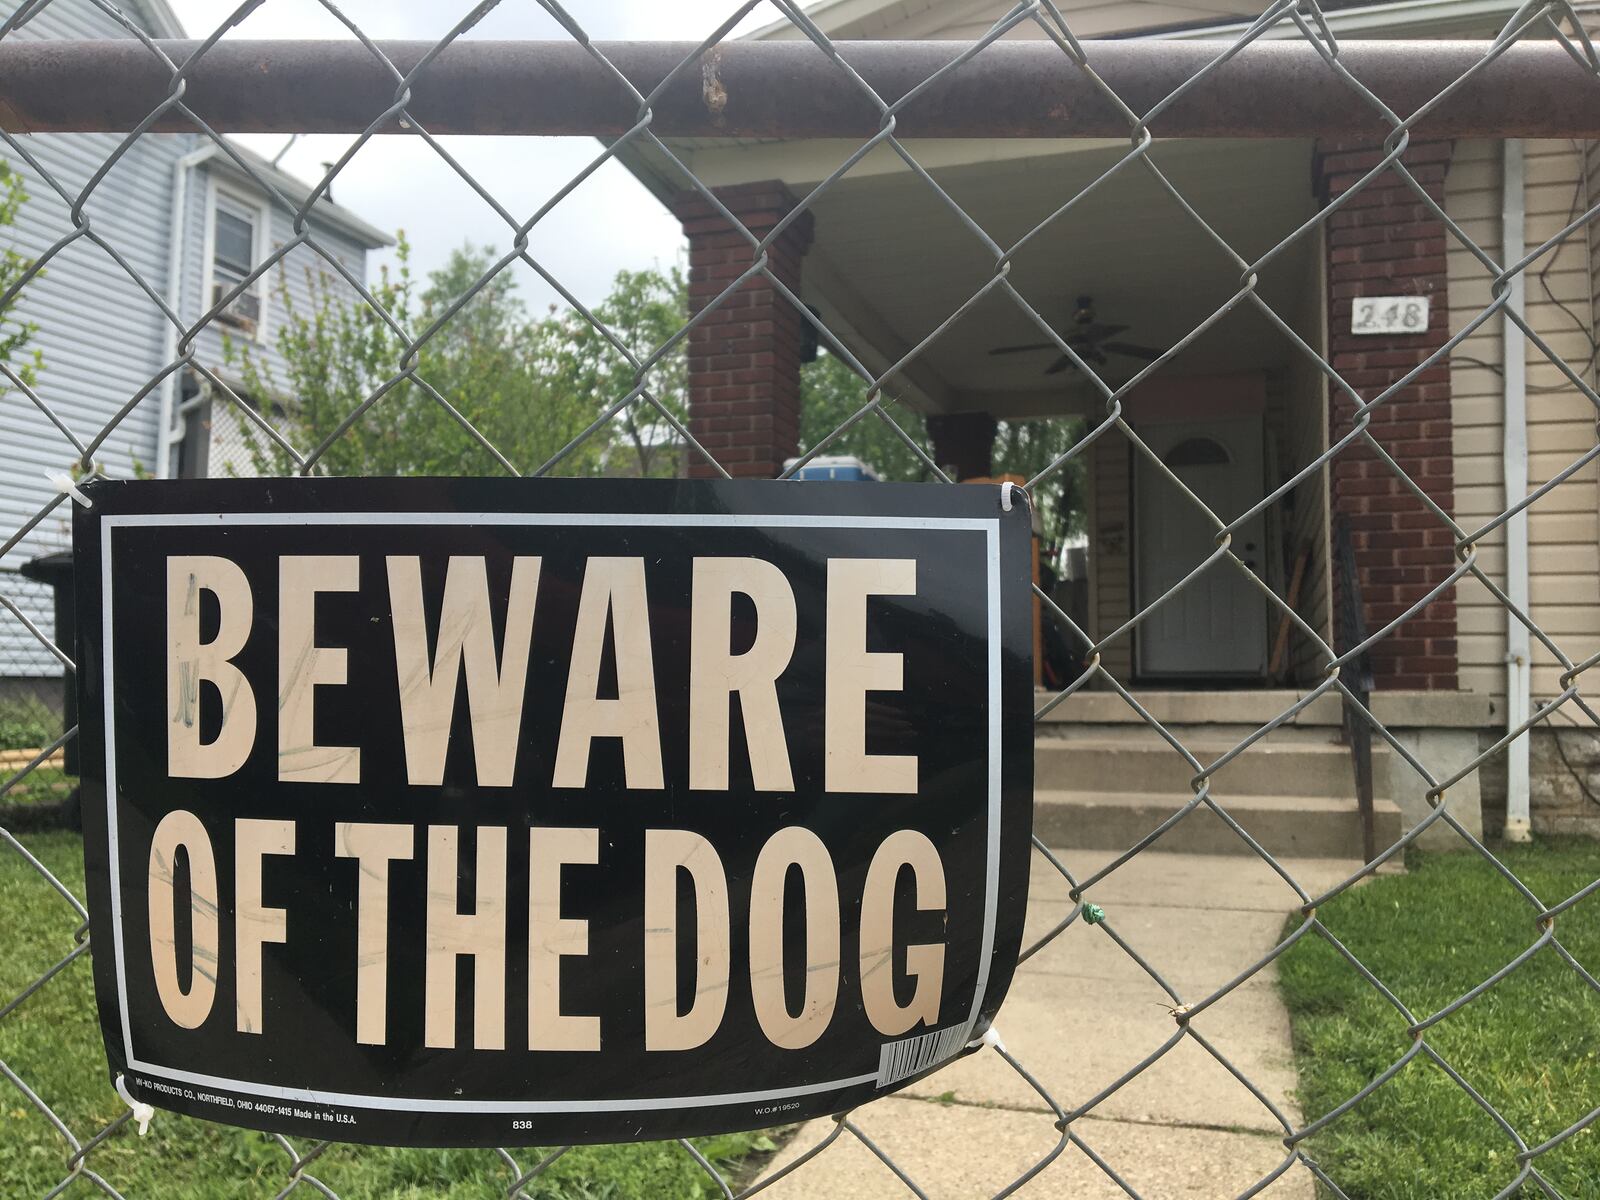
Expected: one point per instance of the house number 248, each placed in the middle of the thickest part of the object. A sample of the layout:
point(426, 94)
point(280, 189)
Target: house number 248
point(1389, 314)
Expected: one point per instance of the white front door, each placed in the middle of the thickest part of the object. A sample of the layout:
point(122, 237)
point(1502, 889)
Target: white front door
point(1217, 625)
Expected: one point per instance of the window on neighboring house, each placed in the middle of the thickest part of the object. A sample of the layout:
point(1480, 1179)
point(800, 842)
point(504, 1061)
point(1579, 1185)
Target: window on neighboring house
point(233, 257)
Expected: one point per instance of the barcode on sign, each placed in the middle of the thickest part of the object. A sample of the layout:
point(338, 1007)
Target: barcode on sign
point(902, 1059)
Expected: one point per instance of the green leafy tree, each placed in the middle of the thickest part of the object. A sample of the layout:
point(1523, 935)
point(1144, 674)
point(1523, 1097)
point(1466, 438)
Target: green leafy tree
point(529, 386)
point(14, 334)
point(831, 393)
point(643, 312)
point(1027, 447)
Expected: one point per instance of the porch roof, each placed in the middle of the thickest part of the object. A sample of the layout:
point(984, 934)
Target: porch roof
point(891, 262)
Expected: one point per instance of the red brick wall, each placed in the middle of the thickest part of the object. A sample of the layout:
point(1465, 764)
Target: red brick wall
point(744, 358)
point(1385, 241)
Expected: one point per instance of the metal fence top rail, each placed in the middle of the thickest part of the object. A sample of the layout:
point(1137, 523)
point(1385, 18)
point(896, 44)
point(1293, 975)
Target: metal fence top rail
point(791, 89)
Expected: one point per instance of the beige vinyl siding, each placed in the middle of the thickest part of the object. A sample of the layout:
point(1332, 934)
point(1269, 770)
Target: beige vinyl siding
point(1563, 530)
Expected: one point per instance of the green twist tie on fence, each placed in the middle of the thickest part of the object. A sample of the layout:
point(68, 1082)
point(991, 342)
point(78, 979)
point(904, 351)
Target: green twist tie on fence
point(1093, 914)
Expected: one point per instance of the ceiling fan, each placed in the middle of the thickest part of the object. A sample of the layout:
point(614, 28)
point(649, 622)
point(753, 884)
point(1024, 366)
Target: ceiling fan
point(1089, 339)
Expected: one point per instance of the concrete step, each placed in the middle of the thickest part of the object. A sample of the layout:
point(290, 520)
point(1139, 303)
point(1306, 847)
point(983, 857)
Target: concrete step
point(1301, 826)
point(1212, 734)
point(1271, 767)
point(1244, 706)
point(1251, 706)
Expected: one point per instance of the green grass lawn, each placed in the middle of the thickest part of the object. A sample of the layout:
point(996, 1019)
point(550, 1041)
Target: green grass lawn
point(1530, 1045)
point(53, 1042)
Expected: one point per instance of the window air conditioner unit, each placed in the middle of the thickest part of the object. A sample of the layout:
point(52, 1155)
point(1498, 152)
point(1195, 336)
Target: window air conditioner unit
point(245, 311)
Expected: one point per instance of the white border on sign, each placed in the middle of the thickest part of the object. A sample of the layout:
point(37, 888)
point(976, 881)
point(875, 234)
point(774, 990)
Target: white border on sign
point(989, 526)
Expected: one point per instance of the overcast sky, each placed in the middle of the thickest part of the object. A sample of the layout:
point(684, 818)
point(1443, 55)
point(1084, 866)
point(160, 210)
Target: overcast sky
point(398, 182)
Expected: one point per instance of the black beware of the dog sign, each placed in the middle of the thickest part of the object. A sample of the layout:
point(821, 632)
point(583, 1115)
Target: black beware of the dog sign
point(478, 812)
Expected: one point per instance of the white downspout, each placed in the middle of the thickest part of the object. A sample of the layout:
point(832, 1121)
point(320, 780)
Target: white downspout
point(1518, 670)
point(169, 343)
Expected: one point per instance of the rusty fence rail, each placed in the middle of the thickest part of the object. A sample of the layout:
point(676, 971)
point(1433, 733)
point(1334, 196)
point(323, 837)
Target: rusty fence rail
point(1538, 77)
point(785, 89)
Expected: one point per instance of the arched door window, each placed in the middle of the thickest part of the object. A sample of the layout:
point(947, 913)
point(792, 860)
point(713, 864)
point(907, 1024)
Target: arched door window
point(1198, 452)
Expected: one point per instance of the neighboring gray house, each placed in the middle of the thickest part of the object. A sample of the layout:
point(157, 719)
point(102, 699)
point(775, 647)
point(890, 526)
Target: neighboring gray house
point(189, 221)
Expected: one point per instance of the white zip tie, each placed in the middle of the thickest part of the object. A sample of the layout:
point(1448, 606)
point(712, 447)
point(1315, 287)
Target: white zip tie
point(991, 1035)
point(143, 1114)
point(1006, 489)
point(64, 483)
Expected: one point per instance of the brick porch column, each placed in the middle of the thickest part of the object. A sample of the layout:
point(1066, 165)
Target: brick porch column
point(1385, 241)
point(965, 441)
point(744, 358)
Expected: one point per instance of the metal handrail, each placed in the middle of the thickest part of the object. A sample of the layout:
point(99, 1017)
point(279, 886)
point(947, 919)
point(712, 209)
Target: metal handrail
point(1356, 676)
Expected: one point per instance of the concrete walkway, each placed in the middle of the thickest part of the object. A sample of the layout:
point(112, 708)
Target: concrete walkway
point(1080, 1014)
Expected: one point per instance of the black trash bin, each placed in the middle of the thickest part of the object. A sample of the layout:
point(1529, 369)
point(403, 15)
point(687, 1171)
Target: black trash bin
point(56, 570)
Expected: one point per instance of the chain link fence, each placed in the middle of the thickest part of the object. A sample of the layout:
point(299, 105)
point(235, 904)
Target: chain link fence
point(24, 655)
point(45, 406)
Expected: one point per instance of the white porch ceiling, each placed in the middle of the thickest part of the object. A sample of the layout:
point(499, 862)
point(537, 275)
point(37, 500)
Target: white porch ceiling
point(891, 262)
